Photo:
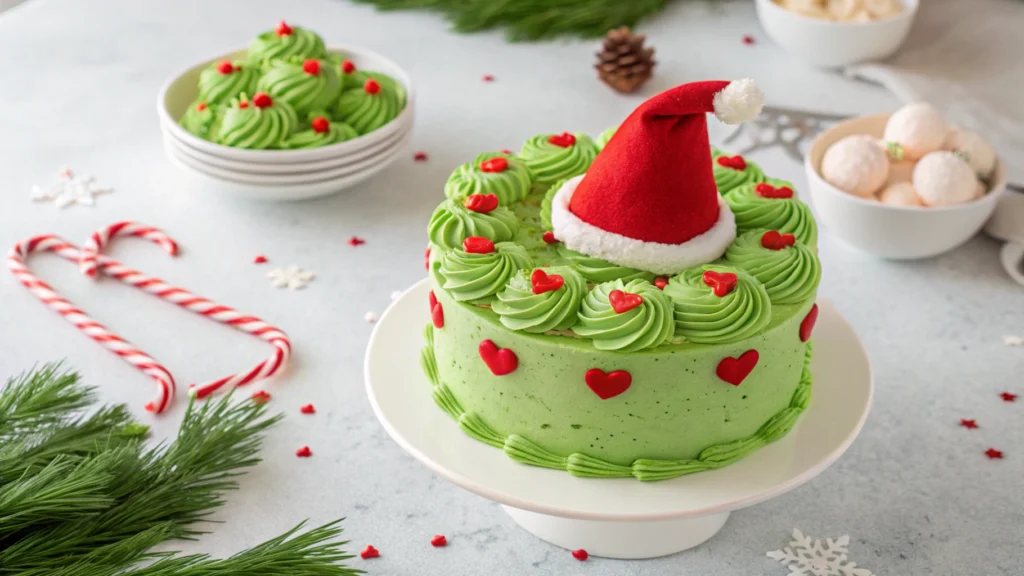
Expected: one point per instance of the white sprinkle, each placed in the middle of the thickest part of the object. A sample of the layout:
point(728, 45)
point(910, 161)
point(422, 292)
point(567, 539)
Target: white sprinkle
point(370, 317)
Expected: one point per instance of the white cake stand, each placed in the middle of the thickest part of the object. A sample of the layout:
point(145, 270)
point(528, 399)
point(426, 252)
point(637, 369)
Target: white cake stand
point(616, 518)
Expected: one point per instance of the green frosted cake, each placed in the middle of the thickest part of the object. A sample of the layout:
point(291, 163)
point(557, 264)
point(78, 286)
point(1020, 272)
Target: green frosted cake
point(630, 322)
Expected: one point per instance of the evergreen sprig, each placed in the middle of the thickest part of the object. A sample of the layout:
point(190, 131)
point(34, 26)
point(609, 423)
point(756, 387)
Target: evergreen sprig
point(529, 20)
point(81, 494)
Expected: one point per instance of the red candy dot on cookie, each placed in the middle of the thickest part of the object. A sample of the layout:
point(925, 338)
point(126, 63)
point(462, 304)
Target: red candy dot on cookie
point(371, 86)
point(201, 106)
point(308, 409)
point(563, 140)
point(765, 190)
point(543, 282)
point(735, 370)
point(807, 324)
point(494, 165)
point(243, 104)
point(720, 282)
point(347, 66)
point(311, 66)
point(304, 452)
point(549, 238)
point(262, 100)
point(438, 541)
point(735, 162)
point(482, 203)
point(225, 67)
point(477, 245)
point(283, 29)
point(623, 302)
point(320, 125)
point(607, 384)
point(660, 282)
point(772, 240)
point(501, 361)
point(580, 554)
point(369, 552)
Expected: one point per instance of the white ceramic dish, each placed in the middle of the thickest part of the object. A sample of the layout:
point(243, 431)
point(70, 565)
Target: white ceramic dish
point(827, 44)
point(620, 518)
point(182, 90)
point(896, 232)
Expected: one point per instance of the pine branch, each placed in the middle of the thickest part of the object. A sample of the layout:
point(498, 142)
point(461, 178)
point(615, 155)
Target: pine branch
point(530, 20)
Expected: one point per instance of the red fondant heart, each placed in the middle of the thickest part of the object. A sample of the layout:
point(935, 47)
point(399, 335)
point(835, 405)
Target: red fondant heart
point(807, 325)
point(432, 299)
point(549, 237)
point(765, 190)
point(494, 165)
point(608, 385)
point(437, 315)
point(735, 162)
point(544, 282)
point(501, 361)
point(482, 203)
point(563, 140)
point(477, 245)
point(721, 282)
point(624, 301)
point(772, 240)
point(735, 370)
point(660, 282)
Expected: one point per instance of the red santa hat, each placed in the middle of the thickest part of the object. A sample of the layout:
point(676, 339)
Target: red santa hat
point(649, 200)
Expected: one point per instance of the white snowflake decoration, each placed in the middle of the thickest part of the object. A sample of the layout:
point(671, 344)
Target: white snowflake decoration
point(70, 190)
point(292, 277)
point(812, 558)
point(1011, 340)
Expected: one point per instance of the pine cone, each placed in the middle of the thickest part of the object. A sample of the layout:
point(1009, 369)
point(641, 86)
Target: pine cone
point(623, 63)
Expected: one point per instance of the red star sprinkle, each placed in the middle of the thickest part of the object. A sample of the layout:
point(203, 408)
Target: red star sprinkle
point(369, 552)
point(488, 78)
point(260, 397)
point(748, 40)
point(993, 454)
point(308, 409)
point(438, 541)
point(580, 554)
point(420, 156)
point(969, 424)
point(304, 452)
point(356, 241)
point(1008, 396)
point(261, 259)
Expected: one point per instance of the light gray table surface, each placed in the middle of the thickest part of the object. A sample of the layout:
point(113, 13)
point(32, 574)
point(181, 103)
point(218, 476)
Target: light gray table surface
point(78, 84)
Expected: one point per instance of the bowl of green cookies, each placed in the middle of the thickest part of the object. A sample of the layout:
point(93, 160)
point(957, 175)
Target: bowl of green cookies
point(287, 117)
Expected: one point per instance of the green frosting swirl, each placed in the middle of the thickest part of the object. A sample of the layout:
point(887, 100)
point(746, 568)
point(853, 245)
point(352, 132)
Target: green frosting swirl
point(367, 112)
point(545, 203)
point(597, 270)
point(356, 79)
point(474, 277)
point(200, 122)
point(217, 88)
point(727, 179)
point(510, 186)
point(289, 82)
point(338, 132)
point(790, 275)
point(783, 214)
point(645, 326)
point(301, 43)
point(549, 163)
point(716, 152)
point(520, 309)
point(256, 128)
point(704, 318)
point(452, 223)
point(605, 136)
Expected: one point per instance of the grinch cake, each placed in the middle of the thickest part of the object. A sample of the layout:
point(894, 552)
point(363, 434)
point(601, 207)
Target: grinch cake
point(600, 308)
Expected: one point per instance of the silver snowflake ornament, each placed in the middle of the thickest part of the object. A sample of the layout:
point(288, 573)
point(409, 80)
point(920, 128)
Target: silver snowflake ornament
point(806, 557)
point(292, 277)
point(70, 190)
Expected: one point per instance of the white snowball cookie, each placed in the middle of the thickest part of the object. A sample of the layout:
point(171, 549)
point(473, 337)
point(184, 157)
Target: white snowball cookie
point(856, 164)
point(918, 128)
point(943, 179)
point(978, 152)
point(900, 194)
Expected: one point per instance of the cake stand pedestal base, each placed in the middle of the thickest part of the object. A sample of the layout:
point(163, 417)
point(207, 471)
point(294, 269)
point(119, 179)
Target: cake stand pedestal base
point(623, 540)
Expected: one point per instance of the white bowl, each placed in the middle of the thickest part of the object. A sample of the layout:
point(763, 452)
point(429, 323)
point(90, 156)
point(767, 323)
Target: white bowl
point(828, 44)
point(896, 232)
point(182, 90)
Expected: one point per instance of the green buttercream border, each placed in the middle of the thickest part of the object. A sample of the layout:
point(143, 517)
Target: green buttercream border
point(524, 451)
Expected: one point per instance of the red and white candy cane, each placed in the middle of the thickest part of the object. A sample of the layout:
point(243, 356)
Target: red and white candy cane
point(91, 262)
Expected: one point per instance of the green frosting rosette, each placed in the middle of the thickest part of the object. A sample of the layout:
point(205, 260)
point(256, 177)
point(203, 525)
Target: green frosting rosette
point(352, 79)
point(257, 124)
point(728, 178)
point(645, 326)
point(475, 277)
point(703, 317)
point(545, 204)
point(200, 119)
point(452, 223)
point(755, 212)
point(222, 81)
point(490, 173)
point(553, 157)
point(306, 85)
point(520, 309)
point(322, 132)
point(597, 270)
point(715, 153)
point(285, 42)
point(367, 107)
point(605, 137)
point(790, 274)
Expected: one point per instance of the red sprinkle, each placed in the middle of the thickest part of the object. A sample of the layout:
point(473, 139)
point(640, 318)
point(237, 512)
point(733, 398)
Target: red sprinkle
point(371, 86)
point(304, 452)
point(1008, 396)
point(347, 66)
point(549, 237)
point(201, 106)
point(994, 454)
point(320, 125)
point(262, 100)
point(488, 78)
point(506, 151)
point(969, 424)
point(580, 554)
point(426, 258)
point(660, 282)
point(225, 67)
point(438, 541)
point(420, 156)
point(369, 552)
point(243, 104)
point(308, 409)
point(260, 397)
point(748, 40)
point(311, 66)
point(283, 29)
point(563, 140)
point(356, 241)
point(261, 259)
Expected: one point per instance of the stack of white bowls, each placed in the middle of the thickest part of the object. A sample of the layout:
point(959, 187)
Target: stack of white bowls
point(282, 174)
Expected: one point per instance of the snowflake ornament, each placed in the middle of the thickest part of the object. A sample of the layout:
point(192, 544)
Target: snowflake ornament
point(292, 277)
point(812, 558)
point(70, 190)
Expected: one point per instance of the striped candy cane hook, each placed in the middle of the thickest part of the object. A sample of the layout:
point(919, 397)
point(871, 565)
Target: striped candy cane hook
point(100, 238)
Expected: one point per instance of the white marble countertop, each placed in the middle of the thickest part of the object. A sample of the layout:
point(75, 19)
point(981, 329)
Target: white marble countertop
point(78, 84)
